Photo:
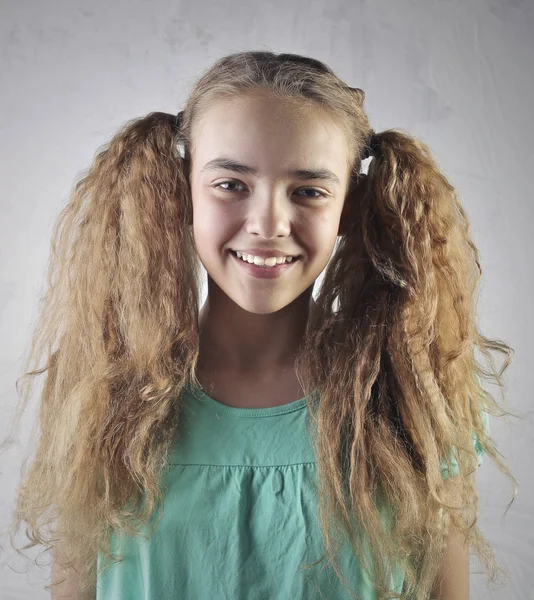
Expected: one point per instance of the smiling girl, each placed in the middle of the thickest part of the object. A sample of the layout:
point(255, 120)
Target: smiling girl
point(274, 443)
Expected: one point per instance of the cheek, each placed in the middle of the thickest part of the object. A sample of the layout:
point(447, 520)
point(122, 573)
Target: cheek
point(213, 225)
point(320, 233)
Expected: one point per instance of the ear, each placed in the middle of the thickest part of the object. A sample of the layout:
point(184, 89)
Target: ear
point(353, 198)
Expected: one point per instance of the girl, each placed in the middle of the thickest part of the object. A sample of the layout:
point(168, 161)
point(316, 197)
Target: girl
point(272, 445)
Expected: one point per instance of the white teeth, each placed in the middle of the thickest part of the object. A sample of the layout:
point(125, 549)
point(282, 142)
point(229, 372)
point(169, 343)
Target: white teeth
point(267, 262)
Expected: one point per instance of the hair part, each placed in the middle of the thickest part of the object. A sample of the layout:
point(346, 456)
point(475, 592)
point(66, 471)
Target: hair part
point(390, 342)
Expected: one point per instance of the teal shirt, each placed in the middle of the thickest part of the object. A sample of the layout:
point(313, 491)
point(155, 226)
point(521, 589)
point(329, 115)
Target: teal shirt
point(240, 514)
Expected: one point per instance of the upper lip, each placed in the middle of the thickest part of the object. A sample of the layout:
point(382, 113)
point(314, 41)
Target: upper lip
point(264, 253)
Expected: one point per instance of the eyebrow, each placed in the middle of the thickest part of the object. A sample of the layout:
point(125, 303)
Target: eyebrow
point(223, 162)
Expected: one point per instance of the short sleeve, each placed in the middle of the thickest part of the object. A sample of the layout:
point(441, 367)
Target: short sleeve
point(478, 449)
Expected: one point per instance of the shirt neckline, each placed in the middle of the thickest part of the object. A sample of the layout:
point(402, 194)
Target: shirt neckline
point(234, 411)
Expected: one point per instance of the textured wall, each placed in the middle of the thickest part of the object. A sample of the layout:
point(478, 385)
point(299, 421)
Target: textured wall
point(456, 74)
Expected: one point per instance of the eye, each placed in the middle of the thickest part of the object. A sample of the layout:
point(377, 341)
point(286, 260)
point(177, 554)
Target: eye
point(318, 192)
point(218, 185)
point(314, 190)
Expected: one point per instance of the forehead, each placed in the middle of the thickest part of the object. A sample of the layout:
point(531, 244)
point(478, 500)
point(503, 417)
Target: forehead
point(271, 133)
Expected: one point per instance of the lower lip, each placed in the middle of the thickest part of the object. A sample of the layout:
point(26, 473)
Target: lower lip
point(264, 272)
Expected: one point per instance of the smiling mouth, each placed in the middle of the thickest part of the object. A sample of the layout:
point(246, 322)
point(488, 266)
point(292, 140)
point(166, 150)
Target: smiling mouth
point(286, 262)
point(262, 271)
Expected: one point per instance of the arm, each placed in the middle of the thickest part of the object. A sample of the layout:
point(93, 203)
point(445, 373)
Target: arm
point(68, 589)
point(452, 582)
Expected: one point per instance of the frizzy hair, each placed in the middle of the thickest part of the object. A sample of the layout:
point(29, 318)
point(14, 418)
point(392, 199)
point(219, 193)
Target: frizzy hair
point(390, 343)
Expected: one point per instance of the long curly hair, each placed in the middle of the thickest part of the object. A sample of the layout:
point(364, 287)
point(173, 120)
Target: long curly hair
point(390, 343)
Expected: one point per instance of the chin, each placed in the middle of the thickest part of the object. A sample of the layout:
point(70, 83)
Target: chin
point(262, 308)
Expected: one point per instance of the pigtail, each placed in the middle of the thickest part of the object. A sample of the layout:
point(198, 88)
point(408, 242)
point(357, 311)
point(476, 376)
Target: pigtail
point(390, 342)
point(122, 264)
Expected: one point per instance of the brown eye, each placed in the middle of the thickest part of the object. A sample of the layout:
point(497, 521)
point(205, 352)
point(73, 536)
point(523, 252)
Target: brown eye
point(218, 185)
point(314, 190)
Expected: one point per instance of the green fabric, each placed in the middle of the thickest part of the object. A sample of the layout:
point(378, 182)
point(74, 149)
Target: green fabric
point(478, 448)
point(239, 514)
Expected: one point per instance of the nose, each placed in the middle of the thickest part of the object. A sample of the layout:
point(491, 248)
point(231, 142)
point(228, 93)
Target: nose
point(269, 215)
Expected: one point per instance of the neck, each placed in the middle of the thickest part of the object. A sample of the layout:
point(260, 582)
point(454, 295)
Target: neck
point(235, 340)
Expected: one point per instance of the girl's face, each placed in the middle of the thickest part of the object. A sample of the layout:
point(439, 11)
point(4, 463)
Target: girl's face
point(284, 193)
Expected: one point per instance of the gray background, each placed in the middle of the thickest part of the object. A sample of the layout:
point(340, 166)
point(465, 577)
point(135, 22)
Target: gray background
point(457, 74)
